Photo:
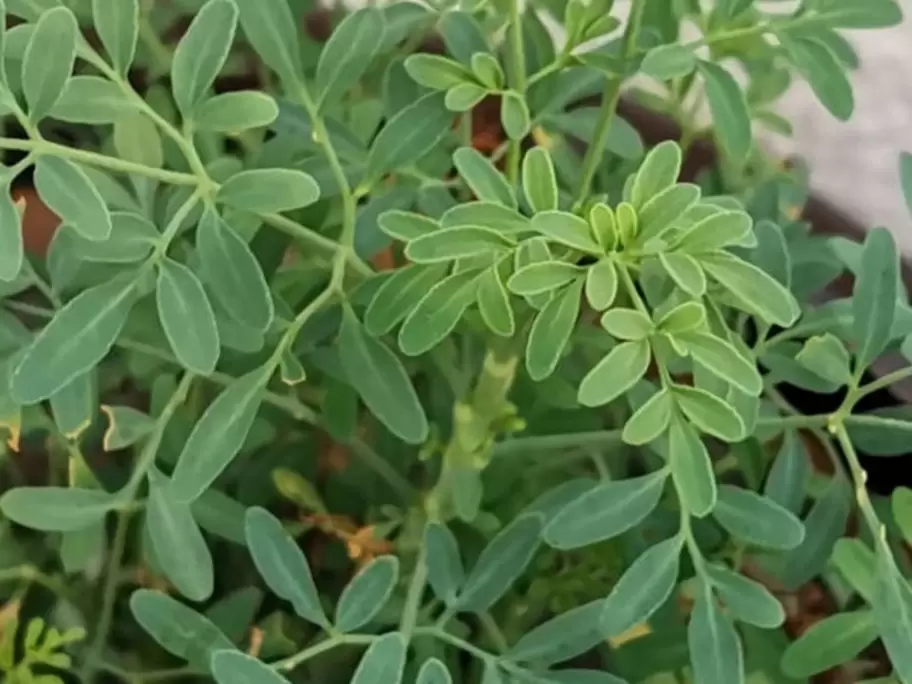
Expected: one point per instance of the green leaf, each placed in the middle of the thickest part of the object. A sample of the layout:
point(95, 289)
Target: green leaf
point(606, 511)
point(282, 564)
point(627, 324)
point(348, 53)
point(747, 600)
point(514, 115)
point(201, 53)
point(366, 594)
point(92, 100)
point(48, 60)
point(620, 370)
point(667, 62)
point(399, 295)
point(901, 502)
point(756, 292)
point(561, 638)
point(136, 139)
point(179, 545)
point(485, 181)
point(832, 641)
point(234, 667)
point(494, 303)
point(70, 194)
point(685, 271)
point(462, 36)
point(132, 239)
point(463, 97)
point(460, 242)
point(551, 332)
point(825, 74)
point(601, 284)
point(406, 225)
point(438, 313)
point(709, 413)
point(488, 70)
point(661, 211)
point(236, 112)
point(445, 571)
point(233, 273)
point(74, 407)
point(659, 170)
point(723, 360)
point(650, 421)
point(566, 229)
point(187, 317)
point(730, 113)
point(543, 277)
point(905, 177)
point(433, 672)
point(56, 509)
point(719, 229)
point(218, 435)
point(893, 610)
point(539, 181)
point(857, 564)
point(643, 588)
point(501, 563)
point(716, 652)
point(857, 14)
point(178, 629)
point(691, 469)
point(126, 426)
point(409, 135)
point(874, 296)
point(117, 25)
point(12, 253)
point(789, 476)
point(381, 381)
point(271, 29)
point(383, 661)
point(76, 340)
point(757, 520)
point(825, 355)
point(264, 191)
point(683, 318)
point(437, 72)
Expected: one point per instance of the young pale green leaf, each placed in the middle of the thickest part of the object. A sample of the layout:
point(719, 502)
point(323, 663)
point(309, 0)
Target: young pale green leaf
point(684, 318)
point(719, 229)
point(483, 178)
point(661, 211)
point(627, 324)
point(178, 629)
point(117, 25)
point(383, 661)
point(824, 72)
point(893, 610)
point(620, 370)
point(901, 503)
point(272, 30)
point(187, 318)
point(381, 381)
point(545, 276)
point(218, 435)
point(716, 652)
point(437, 72)
point(667, 62)
point(539, 181)
point(438, 313)
point(178, 542)
point(604, 225)
point(282, 564)
point(56, 509)
point(433, 672)
point(76, 340)
point(399, 295)
point(48, 60)
point(92, 100)
point(460, 242)
point(756, 292)
point(685, 271)
point(514, 115)
point(832, 641)
point(73, 406)
point(757, 520)
point(562, 637)
point(494, 303)
point(445, 571)
point(406, 225)
point(236, 112)
point(709, 413)
point(659, 171)
point(70, 194)
point(723, 360)
point(349, 52)
point(488, 70)
point(789, 476)
point(551, 331)
point(826, 356)
point(12, 252)
point(409, 135)
point(566, 229)
point(606, 511)
point(235, 667)
point(747, 601)
point(650, 421)
point(136, 139)
point(643, 588)
point(601, 284)
point(201, 53)
point(367, 593)
point(233, 273)
point(874, 296)
point(463, 97)
point(263, 191)
point(691, 469)
point(730, 112)
point(503, 560)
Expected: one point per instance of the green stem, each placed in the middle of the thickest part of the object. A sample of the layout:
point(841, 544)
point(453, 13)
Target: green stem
point(415, 592)
point(518, 70)
point(290, 663)
point(859, 477)
point(885, 381)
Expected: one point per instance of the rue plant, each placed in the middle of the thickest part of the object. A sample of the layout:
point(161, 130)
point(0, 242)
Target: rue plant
point(316, 384)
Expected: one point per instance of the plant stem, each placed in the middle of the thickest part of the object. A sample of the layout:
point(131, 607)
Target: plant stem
point(518, 70)
point(415, 592)
point(290, 663)
point(610, 99)
point(885, 381)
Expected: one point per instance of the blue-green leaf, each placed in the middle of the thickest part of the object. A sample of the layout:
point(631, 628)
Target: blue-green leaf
point(367, 593)
point(874, 296)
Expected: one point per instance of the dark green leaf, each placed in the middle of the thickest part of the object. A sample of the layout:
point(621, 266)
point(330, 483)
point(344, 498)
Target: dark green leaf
point(383, 662)
point(716, 652)
point(893, 610)
point(234, 667)
point(825, 74)
point(117, 25)
point(539, 181)
point(74, 406)
point(70, 194)
point(551, 332)
point(730, 113)
point(48, 60)
point(409, 135)
point(483, 178)
point(12, 253)
point(437, 72)
point(747, 600)
point(874, 296)
point(462, 36)
point(445, 572)
point(187, 317)
point(757, 520)
point(620, 370)
point(349, 52)
point(266, 191)
point(272, 30)
point(367, 593)
point(832, 641)
point(56, 509)
point(789, 475)
point(562, 637)
point(857, 564)
point(438, 313)
point(901, 503)
point(433, 672)
point(692, 469)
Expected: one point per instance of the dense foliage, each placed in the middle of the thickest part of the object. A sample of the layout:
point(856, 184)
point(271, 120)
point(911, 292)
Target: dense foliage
point(312, 385)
